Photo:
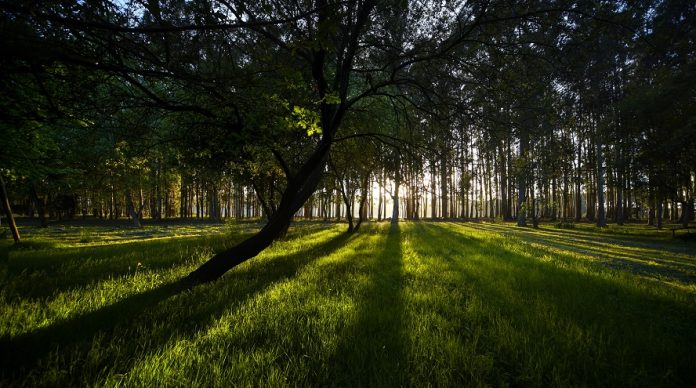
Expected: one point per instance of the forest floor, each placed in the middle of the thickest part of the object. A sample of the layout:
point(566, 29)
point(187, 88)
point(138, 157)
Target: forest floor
point(418, 303)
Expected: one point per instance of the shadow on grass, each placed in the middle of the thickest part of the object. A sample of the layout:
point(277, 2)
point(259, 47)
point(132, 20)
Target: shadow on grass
point(371, 352)
point(4, 254)
point(67, 268)
point(595, 330)
point(150, 318)
point(62, 269)
point(652, 258)
point(650, 240)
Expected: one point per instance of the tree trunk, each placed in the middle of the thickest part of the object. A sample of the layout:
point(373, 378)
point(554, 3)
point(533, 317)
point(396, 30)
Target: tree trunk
point(554, 199)
point(349, 210)
point(363, 201)
point(135, 219)
point(338, 206)
point(659, 207)
point(492, 185)
point(347, 199)
point(395, 209)
point(620, 194)
point(651, 202)
point(521, 199)
point(433, 191)
point(687, 211)
point(297, 192)
point(503, 188)
point(578, 200)
point(444, 201)
point(564, 210)
point(8, 211)
point(239, 203)
point(379, 203)
point(395, 197)
point(508, 165)
point(267, 210)
point(522, 180)
point(601, 214)
point(183, 203)
point(40, 205)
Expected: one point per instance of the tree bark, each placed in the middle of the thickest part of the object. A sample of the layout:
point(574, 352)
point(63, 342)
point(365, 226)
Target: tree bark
point(348, 201)
point(395, 197)
point(510, 197)
point(522, 180)
point(554, 199)
point(363, 201)
point(601, 214)
point(433, 190)
point(444, 201)
point(503, 187)
point(651, 201)
point(8, 211)
point(620, 190)
point(135, 217)
point(214, 212)
point(381, 198)
point(395, 209)
point(659, 207)
point(346, 194)
point(687, 211)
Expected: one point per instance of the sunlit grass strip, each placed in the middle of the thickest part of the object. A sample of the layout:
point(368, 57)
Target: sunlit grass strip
point(97, 236)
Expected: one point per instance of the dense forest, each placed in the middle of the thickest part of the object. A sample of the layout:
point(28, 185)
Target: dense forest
point(528, 110)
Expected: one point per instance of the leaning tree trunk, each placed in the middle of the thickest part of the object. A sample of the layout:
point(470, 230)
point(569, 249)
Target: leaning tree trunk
point(299, 189)
point(8, 211)
point(302, 184)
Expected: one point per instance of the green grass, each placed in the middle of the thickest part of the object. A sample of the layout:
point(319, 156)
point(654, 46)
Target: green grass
point(415, 304)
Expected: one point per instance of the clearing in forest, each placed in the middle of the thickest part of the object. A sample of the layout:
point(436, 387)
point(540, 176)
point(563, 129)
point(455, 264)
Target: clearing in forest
point(407, 304)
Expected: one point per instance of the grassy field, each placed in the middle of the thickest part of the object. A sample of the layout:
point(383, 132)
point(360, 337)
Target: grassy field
point(416, 304)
